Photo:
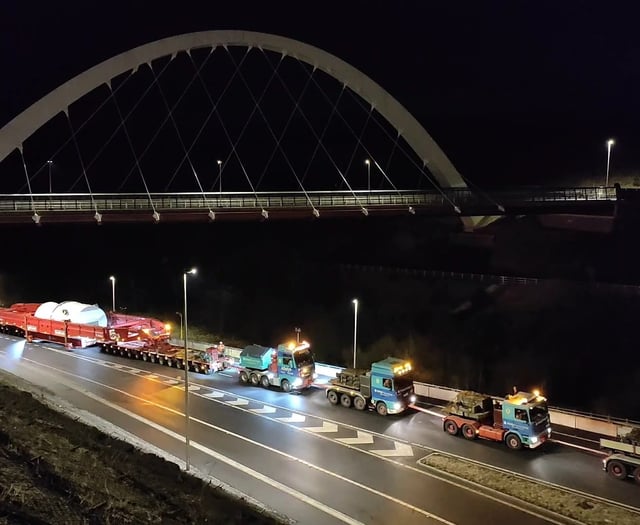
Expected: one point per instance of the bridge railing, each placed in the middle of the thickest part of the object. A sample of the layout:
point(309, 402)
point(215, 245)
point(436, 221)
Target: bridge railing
point(461, 197)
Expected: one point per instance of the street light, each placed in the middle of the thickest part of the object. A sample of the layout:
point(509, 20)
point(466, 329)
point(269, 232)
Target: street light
point(610, 143)
point(113, 293)
point(180, 315)
point(220, 174)
point(193, 271)
point(50, 163)
point(368, 163)
point(355, 329)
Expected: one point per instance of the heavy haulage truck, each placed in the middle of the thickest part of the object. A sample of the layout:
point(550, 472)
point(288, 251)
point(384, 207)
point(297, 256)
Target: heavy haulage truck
point(623, 460)
point(387, 387)
point(518, 420)
point(78, 325)
point(290, 366)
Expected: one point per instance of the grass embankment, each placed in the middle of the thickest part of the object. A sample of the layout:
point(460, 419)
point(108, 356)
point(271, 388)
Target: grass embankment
point(564, 502)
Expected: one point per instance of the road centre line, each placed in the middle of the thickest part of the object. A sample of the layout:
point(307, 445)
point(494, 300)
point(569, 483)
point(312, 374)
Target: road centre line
point(220, 457)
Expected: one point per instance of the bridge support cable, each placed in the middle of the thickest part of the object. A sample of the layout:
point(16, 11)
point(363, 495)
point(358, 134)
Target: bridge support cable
point(155, 215)
point(485, 194)
point(97, 216)
point(35, 217)
point(278, 139)
point(162, 124)
point(186, 150)
point(321, 143)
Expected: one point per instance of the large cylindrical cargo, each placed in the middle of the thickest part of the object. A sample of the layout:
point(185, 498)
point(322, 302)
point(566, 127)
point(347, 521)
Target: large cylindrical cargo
point(72, 311)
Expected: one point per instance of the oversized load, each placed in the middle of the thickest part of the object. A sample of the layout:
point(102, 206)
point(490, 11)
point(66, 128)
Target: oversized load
point(256, 357)
point(518, 420)
point(73, 312)
point(623, 460)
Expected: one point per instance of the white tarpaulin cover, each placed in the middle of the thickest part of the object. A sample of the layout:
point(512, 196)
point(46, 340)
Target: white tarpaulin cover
point(73, 312)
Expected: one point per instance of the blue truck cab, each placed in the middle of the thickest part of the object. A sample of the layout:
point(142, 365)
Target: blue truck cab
point(289, 366)
point(387, 387)
point(526, 415)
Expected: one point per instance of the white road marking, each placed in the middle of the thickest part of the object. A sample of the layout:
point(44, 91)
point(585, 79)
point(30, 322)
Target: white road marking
point(325, 428)
point(238, 402)
point(171, 382)
point(263, 410)
point(293, 418)
point(401, 449)
point(362, 439)
point(214, 393)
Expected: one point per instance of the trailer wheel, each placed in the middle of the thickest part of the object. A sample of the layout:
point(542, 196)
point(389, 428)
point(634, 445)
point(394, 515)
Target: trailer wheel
point(617, 469)
point(381, 408)
point(332, 396)
point(264, 381)
point(468, 432)
point(636, 475)
point(244, 377)
point(255, 380)
point(285, 385)
point(513, 441)
point(450, 427)
point(345, 400)
point(360, 403)
point(144, 357)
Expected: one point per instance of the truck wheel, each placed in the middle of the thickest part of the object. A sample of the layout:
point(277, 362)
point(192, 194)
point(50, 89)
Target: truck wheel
point(345, 401)
point(468, 432)
point(360, 403)
point(255, 380)
point(244, 377)
point(332, 396)
point(636, 475)
point(285, 385)
point(513, 441)
point(381, 408)
point(450, 427)
point(264, 381)
point(617, 469)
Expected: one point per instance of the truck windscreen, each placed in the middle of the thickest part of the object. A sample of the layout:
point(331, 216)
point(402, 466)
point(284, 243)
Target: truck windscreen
point(538, 413)
point(303, 357)
point(402, 382)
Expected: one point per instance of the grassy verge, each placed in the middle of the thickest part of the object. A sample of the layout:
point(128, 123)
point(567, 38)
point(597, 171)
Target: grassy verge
point(563, 502)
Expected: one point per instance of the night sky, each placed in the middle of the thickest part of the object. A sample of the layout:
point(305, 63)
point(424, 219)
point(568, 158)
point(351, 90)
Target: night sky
point(514, 92)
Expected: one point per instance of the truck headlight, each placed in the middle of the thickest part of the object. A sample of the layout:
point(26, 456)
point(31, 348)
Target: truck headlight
point(549, 431)
point(412, 399)
point(534, 439)
point(297, 381)
point(397, 405)
point(315, 375)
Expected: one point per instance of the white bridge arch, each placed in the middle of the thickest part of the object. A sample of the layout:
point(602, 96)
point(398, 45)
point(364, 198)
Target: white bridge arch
point(14, 133)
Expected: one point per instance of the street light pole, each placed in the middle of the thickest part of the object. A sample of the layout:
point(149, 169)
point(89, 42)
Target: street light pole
point(298, 334)
point(193, 271)
point(50, 162)
point(220, 175)
point(368, 163)
point(180, 315)
point(610, 143)
point(355, 329)
point(113, 293)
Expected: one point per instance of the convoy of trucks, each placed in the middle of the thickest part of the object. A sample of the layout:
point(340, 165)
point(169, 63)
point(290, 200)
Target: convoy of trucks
point(387, 387)
point(623, 459)
point(518, 420)
point(290, 366)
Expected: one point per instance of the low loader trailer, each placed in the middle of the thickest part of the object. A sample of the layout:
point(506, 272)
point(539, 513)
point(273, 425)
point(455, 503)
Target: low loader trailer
point(623, 460)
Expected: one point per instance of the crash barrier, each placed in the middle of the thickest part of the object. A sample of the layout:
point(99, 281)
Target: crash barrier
point(601, 425)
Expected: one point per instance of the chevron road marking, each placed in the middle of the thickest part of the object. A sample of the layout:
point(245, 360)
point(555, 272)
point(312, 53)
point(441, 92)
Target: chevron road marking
point(171, 382)
point(295, 418)
point(214, 394)
point(238, 402)
point(192, 388)
point(362, 439)
point(401, 449)
point(326, 427)
point(263, 410)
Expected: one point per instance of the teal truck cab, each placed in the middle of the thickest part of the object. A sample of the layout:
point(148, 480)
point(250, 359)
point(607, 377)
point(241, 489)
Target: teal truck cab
point(290, 366)
point(387, 387)
point(519, 420)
